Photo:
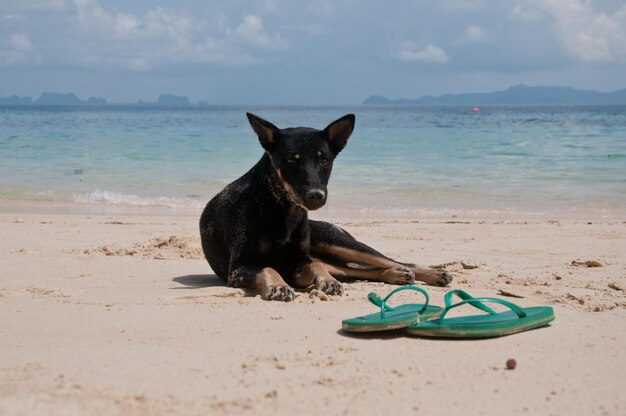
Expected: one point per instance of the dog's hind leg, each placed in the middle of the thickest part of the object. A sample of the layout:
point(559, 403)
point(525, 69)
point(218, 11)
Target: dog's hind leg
point(336, 247)
point(393, 275)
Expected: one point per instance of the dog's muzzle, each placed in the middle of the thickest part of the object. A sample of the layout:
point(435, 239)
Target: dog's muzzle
point(314, 199)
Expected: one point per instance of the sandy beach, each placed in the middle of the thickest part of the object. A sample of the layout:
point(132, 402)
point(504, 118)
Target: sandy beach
point(482, 138)
point(108, 314)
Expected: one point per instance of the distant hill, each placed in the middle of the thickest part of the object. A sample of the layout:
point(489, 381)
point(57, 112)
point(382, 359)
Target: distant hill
point(67, 99)
point(96, 101)
point(57, 98)
point(517, 95)
point(174, 100)
point(15, 100)
point(70, 99)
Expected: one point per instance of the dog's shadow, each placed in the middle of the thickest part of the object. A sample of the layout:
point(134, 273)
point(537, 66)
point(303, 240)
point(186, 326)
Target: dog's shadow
point(198, 281)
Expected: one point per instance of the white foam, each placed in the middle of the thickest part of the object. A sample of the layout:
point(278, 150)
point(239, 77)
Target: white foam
point(117, 198)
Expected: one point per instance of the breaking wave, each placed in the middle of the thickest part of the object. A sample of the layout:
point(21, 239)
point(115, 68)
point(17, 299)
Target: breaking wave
point(117, 198)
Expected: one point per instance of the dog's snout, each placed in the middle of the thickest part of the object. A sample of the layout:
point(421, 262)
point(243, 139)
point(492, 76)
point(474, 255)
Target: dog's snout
point(314, 198)
point(315, 195)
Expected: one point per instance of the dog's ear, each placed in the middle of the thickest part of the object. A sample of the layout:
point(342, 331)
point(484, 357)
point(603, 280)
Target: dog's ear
point(339, 131)
point(266, 131)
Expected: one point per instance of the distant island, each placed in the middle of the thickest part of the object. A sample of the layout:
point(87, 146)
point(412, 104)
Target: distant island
point(55, 98)
point(52, 98)
point(517, 95)
point(174, 100)
point(71, 100)
point(15, 100)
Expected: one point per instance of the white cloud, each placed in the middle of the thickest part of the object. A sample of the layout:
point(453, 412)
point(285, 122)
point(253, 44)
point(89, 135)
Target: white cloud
point(16, 48)
point(324, 8)
point(141, 43)
point(317, 29)
point(270, 5)
point(586, 33)
point(251, 31)
point(36, 6)
point(137, 64)
point(21, 42)
point(462, 5)
point(430, 54)
point(474, 34)
point(527, 12)
point(159, 24)
point(10, 18)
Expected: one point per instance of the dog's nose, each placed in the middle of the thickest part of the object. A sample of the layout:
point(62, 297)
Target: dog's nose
point(315, 196)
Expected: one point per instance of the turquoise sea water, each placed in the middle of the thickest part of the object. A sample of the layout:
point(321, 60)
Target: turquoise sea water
point(400, 160)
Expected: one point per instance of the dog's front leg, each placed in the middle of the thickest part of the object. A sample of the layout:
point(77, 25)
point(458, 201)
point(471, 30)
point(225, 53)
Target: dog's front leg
point(315, 273)
point(268, 283)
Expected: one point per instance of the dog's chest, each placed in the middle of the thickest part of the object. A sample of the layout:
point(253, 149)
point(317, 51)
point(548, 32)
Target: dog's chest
point(292, 226)
point(280, 254)
point(284, 237)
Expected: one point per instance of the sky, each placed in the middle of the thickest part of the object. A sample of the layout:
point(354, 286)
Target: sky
point(316, 52)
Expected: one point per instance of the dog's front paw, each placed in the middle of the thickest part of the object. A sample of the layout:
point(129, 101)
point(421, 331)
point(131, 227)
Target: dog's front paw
point(445, 278)
point(328, 285)
point(278, 292)
point(398, 276)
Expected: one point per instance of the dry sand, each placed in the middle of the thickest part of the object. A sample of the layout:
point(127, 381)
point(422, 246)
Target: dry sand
point(121, 315)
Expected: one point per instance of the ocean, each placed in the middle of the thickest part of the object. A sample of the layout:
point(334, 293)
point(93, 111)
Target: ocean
point(399, 162)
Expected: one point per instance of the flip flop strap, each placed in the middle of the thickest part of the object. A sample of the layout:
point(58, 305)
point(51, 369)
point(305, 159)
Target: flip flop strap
point(465, 296)
point(376, 300)
point(473, 301)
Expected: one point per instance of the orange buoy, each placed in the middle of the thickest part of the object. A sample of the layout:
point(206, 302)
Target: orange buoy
point(475, 109)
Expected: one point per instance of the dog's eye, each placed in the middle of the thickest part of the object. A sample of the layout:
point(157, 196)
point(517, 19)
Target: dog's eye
point(293, 158)
point(323, 159)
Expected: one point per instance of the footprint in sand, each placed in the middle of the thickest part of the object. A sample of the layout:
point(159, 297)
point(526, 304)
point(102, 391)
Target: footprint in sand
point(160, 248)
point(52, 293)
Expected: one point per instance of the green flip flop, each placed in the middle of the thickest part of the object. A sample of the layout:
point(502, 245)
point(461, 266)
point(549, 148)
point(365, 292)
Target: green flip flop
point(494, 324)
point(392, 317)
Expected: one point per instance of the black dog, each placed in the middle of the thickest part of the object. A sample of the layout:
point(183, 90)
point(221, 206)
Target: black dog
point(256, 233)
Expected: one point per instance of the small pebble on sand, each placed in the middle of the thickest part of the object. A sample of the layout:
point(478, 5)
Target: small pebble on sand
point(511, 364)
